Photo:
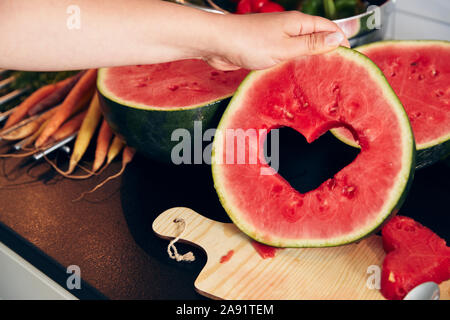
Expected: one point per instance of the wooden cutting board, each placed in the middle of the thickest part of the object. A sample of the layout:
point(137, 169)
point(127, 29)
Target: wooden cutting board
point(344, 272)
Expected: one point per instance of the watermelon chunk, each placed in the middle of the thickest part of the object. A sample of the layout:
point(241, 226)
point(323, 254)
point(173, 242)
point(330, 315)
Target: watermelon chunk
point(414, 255)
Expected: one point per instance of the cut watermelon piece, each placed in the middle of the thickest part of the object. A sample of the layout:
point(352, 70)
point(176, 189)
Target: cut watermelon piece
point(419, 73)
point(145, 104)
point(312, 95)
point(414, 255)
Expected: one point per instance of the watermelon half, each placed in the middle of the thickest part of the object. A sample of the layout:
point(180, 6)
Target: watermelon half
point(419, 73)
point(313, 95)
point(146, 103)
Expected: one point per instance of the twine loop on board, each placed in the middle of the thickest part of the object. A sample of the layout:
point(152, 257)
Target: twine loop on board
point(172, 250)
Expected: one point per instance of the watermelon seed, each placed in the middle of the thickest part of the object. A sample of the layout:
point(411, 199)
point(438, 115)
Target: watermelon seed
point(332, 108)
point(173, 87)
point(439, 93)
point(214, 73)
point(401, 292)
point(434, 72)
point(349, 191)
point(415, 116)
point(324, 206)
point(277, 188)
point(289, 115)
point(290, 213)
point(331, 184)
point(298, 203)
point(421, 77)
point(141, 85)
point(409, 229)
point(336, 89)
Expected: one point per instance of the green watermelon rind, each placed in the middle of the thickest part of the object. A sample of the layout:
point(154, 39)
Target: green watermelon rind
point(392, 206)
point(148, 128)
point(427, 153)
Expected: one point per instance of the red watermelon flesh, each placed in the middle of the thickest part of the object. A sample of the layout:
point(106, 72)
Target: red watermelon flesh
point(414, 255)
point(313, 95)
point(419, 73)
point(189, 82)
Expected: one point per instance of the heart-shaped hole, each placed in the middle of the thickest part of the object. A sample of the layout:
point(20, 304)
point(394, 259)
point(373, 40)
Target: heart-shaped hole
point(307, 165)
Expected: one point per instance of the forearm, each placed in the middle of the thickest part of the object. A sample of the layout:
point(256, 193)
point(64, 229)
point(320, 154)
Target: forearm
point(34, 35)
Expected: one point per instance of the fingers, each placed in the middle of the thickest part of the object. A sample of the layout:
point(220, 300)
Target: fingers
point(315, 43)
point(301, 24)
point(312, 34)
point(346, 43)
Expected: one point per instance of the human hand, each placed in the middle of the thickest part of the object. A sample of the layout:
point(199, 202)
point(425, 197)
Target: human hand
point(259, 41)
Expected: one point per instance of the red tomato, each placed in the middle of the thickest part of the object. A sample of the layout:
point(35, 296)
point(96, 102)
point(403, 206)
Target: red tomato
point(271, 7)
point(258, 4)
point(244, 6)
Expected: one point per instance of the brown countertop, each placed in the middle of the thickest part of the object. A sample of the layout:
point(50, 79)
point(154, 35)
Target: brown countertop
point(108, 234)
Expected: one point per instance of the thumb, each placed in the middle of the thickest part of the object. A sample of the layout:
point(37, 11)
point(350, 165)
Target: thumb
point(319, 42)
point(221, 64)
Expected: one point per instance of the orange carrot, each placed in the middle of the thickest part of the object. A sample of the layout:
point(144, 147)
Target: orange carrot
point(80, 105)
point(127, 156)
point(114, 149)
point(26, 142)
point(69, 127)
point(83, 86)
point(22, 110)
point(29, 128)
point(57, 96)
point(103, 139)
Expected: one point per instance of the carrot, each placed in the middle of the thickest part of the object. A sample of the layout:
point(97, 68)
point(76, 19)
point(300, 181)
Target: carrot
point(56, 96)
point(81, 104)
point(29, 128)
point(69, 127)
point(70, 176)
point(127, 156)
point(115, 148)
point(83, 86)
point(36, 135)
point(19, 155)
point(103, 139)
point(37, 96)
point(85, 133)
point(25, 143)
